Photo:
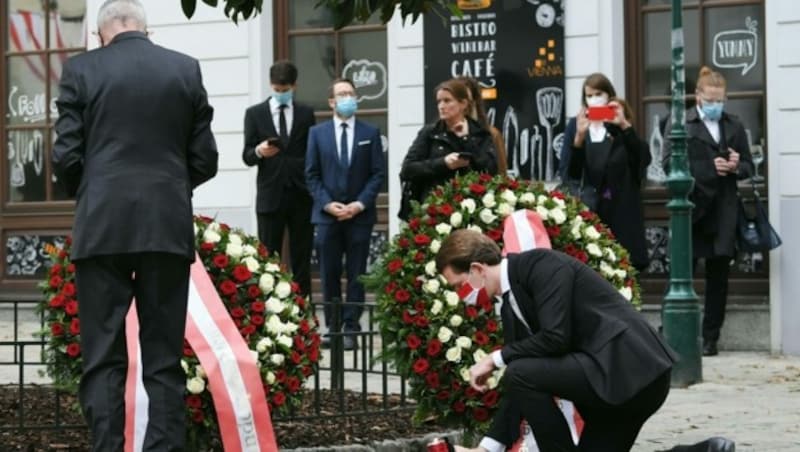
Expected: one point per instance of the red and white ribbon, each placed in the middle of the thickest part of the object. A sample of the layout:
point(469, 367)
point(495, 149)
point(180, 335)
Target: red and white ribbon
point(524, 230)
point(233, 375)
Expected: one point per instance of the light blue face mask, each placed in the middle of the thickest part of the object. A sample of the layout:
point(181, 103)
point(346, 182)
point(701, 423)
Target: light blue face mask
point(346, 106)
point(712, 110)
point(284, 98)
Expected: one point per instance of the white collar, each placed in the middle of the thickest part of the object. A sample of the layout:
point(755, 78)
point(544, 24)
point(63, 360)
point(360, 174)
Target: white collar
point(505, 284)
point(351, 122)
point(274, 106)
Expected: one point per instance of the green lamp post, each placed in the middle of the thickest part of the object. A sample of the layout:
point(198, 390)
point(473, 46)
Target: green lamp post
point(681, 311)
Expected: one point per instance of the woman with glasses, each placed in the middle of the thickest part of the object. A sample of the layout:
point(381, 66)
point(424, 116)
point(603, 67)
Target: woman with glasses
point(719, 155)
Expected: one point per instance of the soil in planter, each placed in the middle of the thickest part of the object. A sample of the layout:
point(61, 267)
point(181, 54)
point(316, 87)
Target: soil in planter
point(41, 408)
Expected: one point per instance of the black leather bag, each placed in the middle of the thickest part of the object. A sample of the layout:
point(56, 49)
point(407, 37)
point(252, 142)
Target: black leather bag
point(754, 233)
point(410, 193)
point(582, 190)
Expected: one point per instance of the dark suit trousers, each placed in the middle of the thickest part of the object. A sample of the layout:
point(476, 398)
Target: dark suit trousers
point(294, 213)
point(716, 296)
point(530, 385)
point(334, 241)
point(160, 284)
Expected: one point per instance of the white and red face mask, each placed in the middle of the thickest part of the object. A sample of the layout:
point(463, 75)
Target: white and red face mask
point(472, 294)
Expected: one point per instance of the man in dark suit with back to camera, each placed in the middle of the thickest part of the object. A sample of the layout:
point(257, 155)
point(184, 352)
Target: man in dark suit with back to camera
point(133, 141)
point(344, 172)
point(567, 333)
point(275, 137)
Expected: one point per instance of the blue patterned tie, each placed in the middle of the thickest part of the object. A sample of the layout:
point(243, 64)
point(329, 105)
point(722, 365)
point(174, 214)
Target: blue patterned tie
point(344, 159)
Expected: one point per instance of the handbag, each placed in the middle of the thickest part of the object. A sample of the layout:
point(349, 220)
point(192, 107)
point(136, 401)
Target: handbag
point(410, 193)
point(755, 233)
point(587, 193)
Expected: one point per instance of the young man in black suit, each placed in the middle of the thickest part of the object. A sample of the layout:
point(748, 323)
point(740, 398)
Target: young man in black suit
point(133, 141)
point(275, 139)
point(567, 333)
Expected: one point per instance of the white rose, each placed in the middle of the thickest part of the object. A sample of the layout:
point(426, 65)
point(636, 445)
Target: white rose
point(451, 298)
point(430, 268)
point(210, 236)
point(469, 205)
point(195, 385)
point(464, 374)
point(504, 209)
point(543, 212)
point(431, 286)
point(274, 305)
point(577, 220)
point(195, 228)
point(272, 267)
point(606, 269)
point(576, 232)
point(487, 216)
point(620, 273)
point(558, 215)
point(478, 355)
point(527, 198)
point(626, 292)
point(249, 250)
point(456, 218)
point(251, 263)
point(610, 254)
point(290, 327)
point(491, 382)
point(435, 245)
point(214, 226)
point(591, 233)
point(284, 340)
point(445, 334)
point(436, 308)
point(488, 200)
point(264, 344)
point(233, 250)
point(475, 227)
point(443, 228)
point(541, 200)
point(594, 250)
point(295, 310)
point(198, 370)
point(277, 359)
point(270, 378)
point(509, 197)
point(283, 289)
point(185, 366)
point(266, 282)
point(456, 320)
point(274, 325)
point(453, 354)
point(464, 342)
point(235, 239)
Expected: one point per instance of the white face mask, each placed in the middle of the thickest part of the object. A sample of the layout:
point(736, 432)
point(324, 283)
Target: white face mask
point(596, 100)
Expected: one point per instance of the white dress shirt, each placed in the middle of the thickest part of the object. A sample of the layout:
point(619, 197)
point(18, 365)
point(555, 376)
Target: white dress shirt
point(288, 112)
point(712, 126)
point(351, 135)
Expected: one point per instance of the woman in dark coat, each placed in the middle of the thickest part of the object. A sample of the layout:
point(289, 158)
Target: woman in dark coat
point(612, 159)
point(454, 144)
point(719, 155)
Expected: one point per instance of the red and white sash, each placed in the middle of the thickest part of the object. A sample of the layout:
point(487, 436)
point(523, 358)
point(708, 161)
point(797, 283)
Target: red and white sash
point(233, 375)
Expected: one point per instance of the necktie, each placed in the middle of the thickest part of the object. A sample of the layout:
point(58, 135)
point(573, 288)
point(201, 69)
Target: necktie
point(344, 159)
point(282, 129)
point(507, 317)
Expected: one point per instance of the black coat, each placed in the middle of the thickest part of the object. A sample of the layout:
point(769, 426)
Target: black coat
point(570, 308)
point(424, 164)
point(285, 170)
point(134, 139)
point(616, 168)
point(715, 197)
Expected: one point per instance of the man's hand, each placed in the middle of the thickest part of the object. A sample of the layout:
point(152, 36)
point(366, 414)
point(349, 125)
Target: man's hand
point(480, 372)
point(336, 209)
point(266, 150)
point(722, 166)
point(350, 211)
point(733, 161)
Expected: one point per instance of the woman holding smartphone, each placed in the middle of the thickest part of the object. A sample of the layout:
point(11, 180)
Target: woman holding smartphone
point(454, 144)
point(607, 162)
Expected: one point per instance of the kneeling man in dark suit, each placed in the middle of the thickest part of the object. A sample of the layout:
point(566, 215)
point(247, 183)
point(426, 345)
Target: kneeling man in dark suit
point(568, 333)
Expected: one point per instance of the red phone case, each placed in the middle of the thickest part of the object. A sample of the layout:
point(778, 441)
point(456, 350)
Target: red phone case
point(601, 113)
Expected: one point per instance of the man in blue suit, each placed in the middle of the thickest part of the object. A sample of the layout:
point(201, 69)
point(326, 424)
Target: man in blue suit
point(344, 172)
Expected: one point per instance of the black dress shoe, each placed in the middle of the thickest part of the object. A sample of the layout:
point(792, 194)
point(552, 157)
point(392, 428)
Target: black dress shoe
point(349, 343)
point(710, 348)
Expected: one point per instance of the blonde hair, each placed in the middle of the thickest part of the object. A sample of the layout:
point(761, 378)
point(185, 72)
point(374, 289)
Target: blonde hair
point(707, 77)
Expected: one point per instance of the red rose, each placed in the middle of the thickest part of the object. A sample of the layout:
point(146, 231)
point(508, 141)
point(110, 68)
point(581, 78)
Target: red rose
point(419, 257)
point(477, 189)
point(421, 366)
point(408, 319)
point(402, 296)
point(313, 355)
point(194, 401)
point(413, 341)
point(221, 260)
point(446, 209)
point(300, 345)
point(422, 239)
point(293, 384)
point(69, 289)
point(73, 349)
point(280, 376)
point(248, 330)
point(253, 291)
point(206, 247)
point(197, 417)
point(403, 242)
point(513, 184)
point(432, 210)
point(279, 399)
point(470, 392)
point(434, 347)
point(443, 395)
point(491, 326)
point(490, 398)
point(485, 177)
point(304, 326)
point(227, 287)
point(262, 250)
point(56, 329)
point(62, 255)
point(257, 306)
point(471, 312)
point(481, 338)
point(394, 265)
point(241, 273)
point(307, 371)
point(553, 231)
point(495, 234)
point(238, 323)
point(68, 241)
point(75, 327)
point(432, 378)
point(71, 308)
point(56, 281)
point(55, 269)
point(57, 301)
point(188, 352)
point(233, 299)
point(390, 287)
point(300, 301)
point(419, 306)
point(413, 224)
point(480, 414)
point(71, 268)
point(295, 357)
point(256, 320)
point(432, 221)
point(582, 256)
point(421, 321)
point(587, 214)
point(295, 286)
point(237, 312)
point(224, 227)
point(459, 407)
point(458, 197)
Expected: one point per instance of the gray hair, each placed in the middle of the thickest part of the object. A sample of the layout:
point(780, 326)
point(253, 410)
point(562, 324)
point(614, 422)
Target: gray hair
point(125, 11)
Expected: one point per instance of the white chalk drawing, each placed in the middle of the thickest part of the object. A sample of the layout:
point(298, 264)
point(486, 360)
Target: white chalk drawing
point(28, 108)
point(368, 76)
point(549, 103)
point(737, 48)
point(757, 154)
point(24, 148)
point(655, 172)
point(548, 13)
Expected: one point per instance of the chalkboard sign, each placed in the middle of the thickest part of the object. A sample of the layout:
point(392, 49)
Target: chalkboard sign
point(515, 49)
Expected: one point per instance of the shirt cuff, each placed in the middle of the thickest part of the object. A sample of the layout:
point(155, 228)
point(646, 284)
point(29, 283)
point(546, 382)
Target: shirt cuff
point(361, 205)
point(256, 153)
point(492, 445)
point(497, 357)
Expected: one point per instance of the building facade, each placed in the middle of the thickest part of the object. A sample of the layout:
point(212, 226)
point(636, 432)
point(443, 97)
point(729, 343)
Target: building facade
point(749, 41)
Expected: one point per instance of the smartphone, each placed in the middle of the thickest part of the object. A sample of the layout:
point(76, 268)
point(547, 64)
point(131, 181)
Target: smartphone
point(273, 141)
point(465, 155)
point(601, 113)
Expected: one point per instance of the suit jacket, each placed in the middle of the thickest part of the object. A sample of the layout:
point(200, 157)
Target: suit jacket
point(571, 308)
point(133, 140)
point(715, 197)
point(328, 181)
point(284, 170)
